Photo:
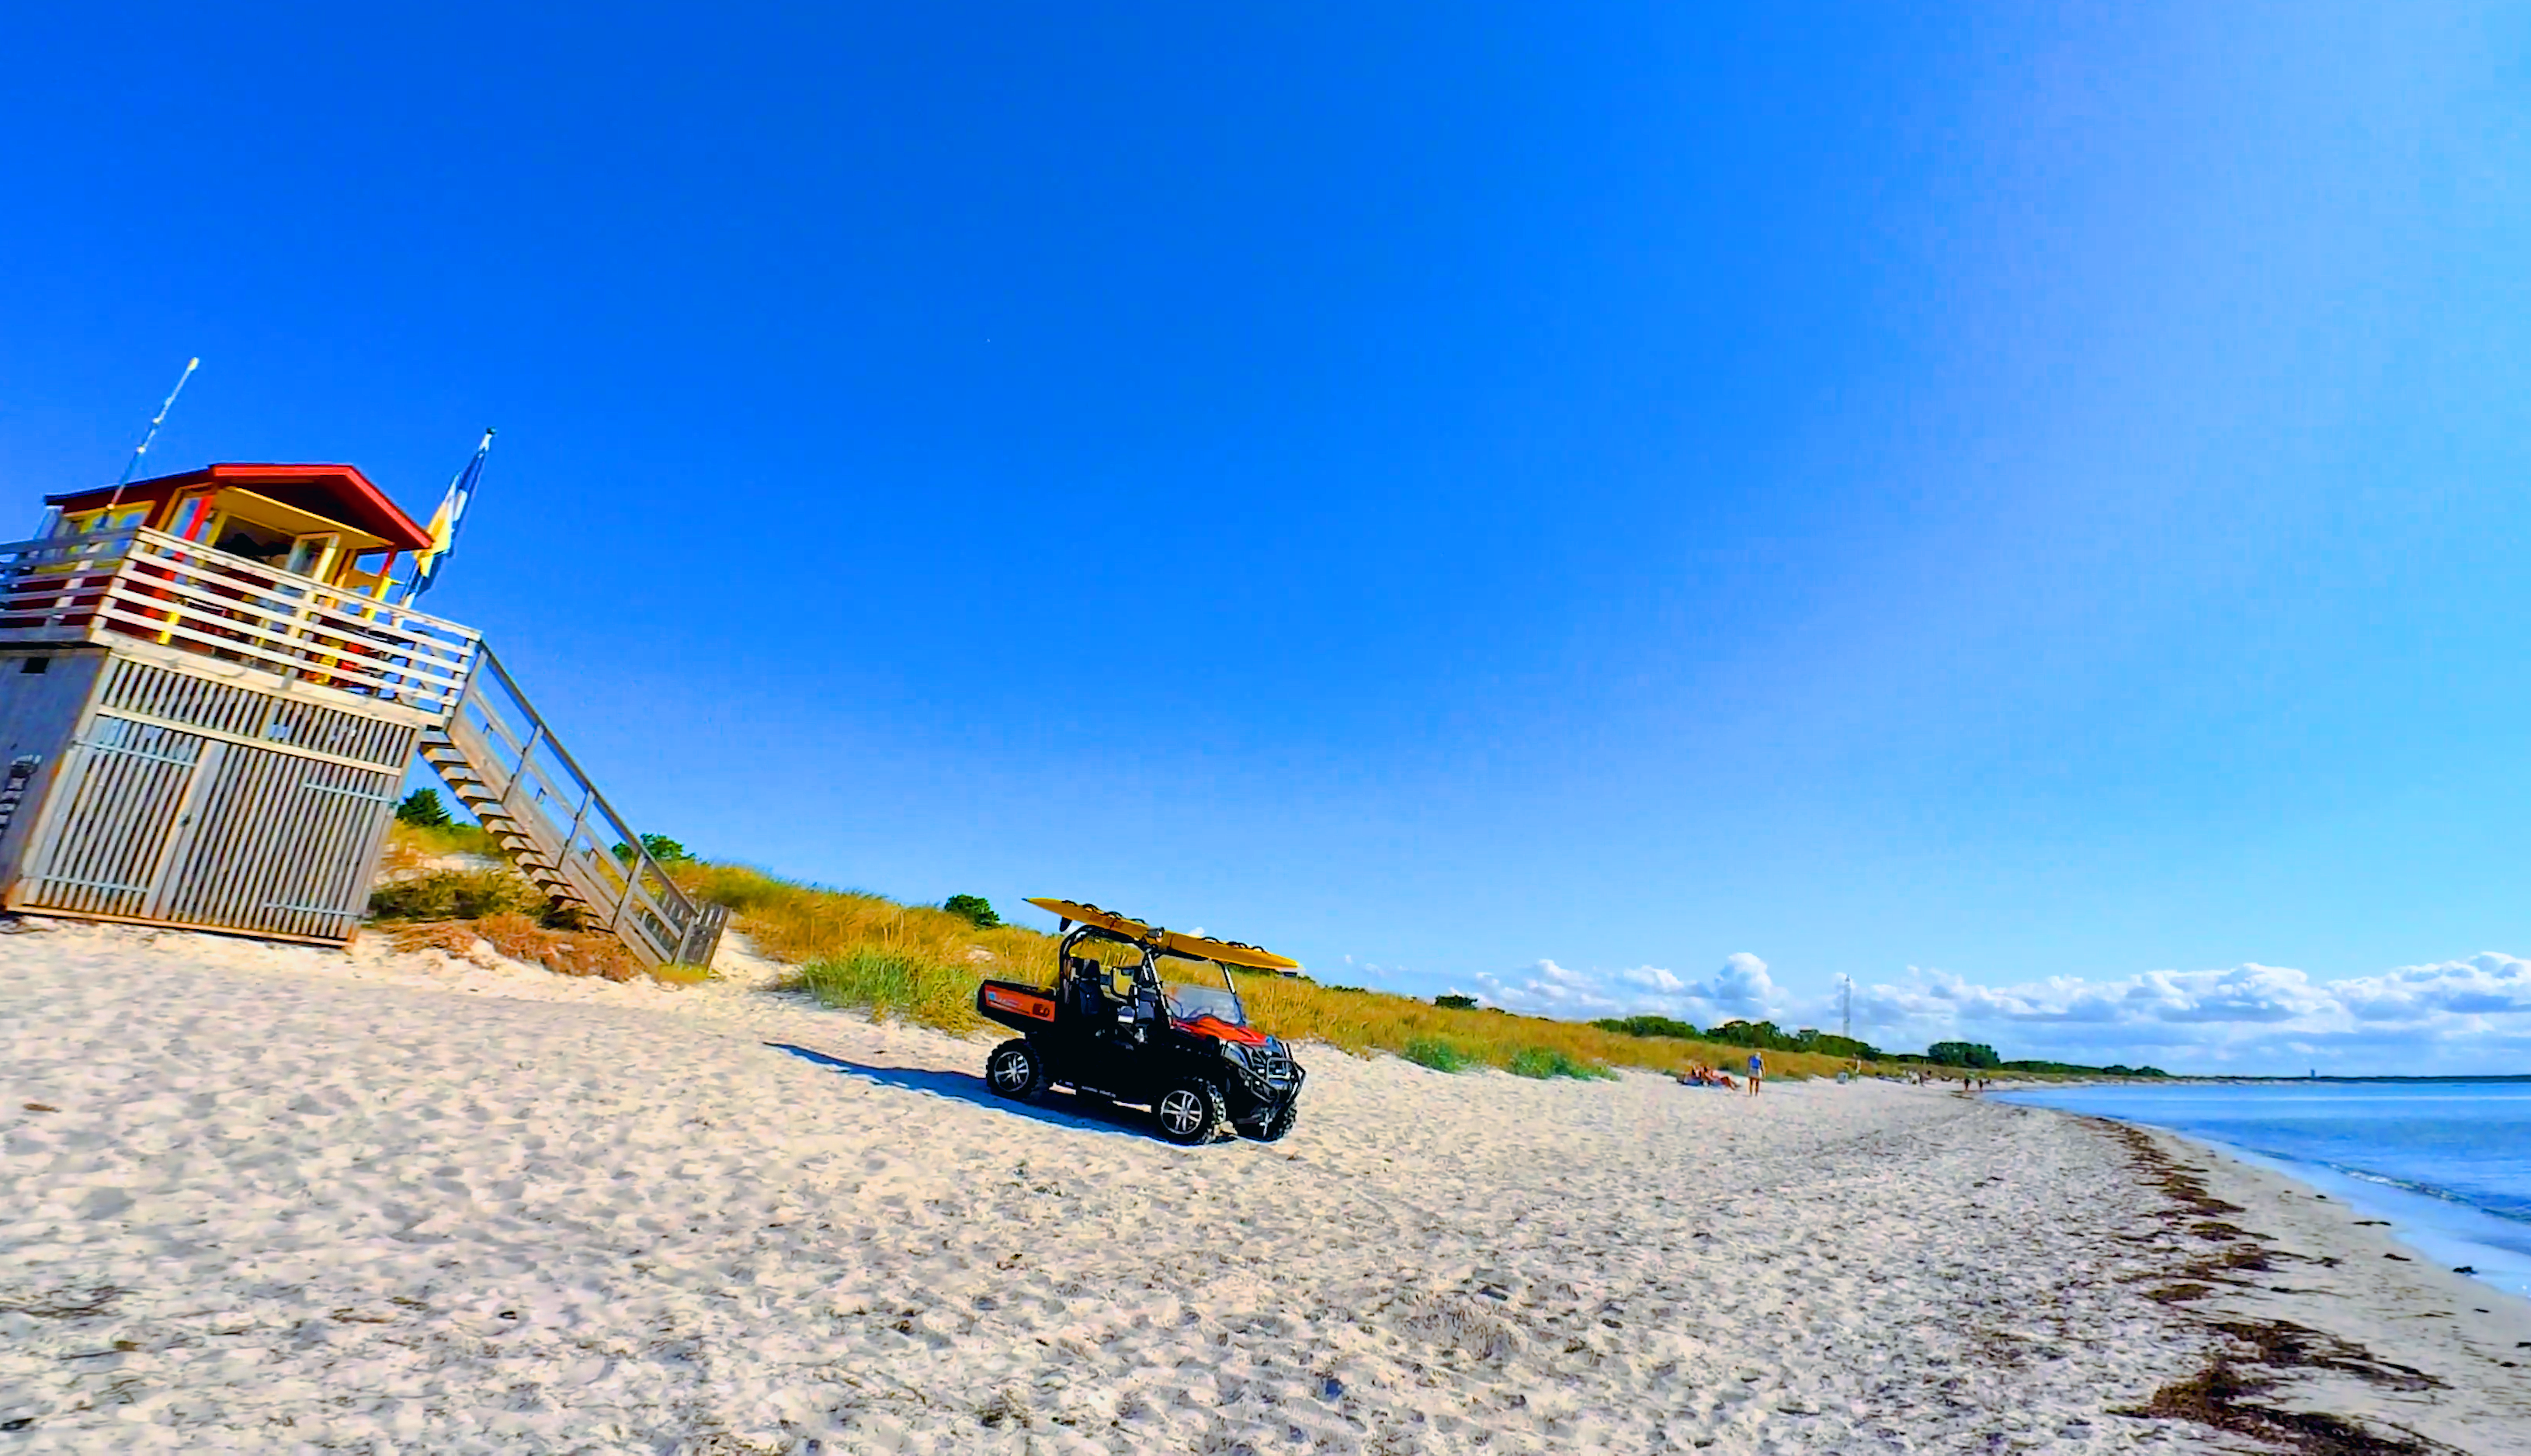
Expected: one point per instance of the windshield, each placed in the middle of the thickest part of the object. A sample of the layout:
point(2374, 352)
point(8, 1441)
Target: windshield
point(1197, 988)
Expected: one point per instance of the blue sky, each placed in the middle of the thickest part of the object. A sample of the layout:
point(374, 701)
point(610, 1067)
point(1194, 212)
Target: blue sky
point(2001, 505)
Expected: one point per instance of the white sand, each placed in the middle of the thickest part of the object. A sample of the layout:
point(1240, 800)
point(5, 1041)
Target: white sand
point(298, 1200)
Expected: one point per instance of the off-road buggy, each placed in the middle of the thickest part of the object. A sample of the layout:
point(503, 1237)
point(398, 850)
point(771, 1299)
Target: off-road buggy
point(1149, 1016)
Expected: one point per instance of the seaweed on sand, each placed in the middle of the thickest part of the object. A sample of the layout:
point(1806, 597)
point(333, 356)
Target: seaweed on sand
point(2229, 1394)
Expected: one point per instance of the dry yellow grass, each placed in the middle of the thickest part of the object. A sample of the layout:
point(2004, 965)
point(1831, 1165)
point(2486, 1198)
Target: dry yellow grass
point(1369, 1021)
point(521, 938)
point(922, 965)
point(914, 962)
point(410, 848)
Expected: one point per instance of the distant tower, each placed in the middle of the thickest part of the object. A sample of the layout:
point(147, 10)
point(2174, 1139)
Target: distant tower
point(1845, 1008)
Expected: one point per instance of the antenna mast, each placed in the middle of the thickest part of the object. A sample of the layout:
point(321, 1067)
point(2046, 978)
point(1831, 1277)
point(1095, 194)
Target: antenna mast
point(151, 435)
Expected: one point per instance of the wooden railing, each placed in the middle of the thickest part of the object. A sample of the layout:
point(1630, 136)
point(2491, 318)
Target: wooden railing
point(147, 586)
point(501, 760)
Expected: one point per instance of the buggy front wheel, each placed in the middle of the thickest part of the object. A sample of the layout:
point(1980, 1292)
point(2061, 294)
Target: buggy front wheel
point(1190, 1112)
point(1016, 1071)
point(1272, 1126)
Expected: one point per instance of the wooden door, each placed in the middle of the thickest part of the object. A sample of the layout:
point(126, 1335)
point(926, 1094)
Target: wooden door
point(281, 844)
point(112, 820)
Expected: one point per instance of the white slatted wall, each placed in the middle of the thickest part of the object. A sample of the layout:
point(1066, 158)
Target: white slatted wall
point(201, 803)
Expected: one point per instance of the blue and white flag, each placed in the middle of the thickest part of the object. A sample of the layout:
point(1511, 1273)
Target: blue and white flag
point(428, 562)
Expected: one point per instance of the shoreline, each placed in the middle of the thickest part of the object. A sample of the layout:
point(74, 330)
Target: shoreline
point(2327, 1327)
point(400, 1202)
point(2439, 1228)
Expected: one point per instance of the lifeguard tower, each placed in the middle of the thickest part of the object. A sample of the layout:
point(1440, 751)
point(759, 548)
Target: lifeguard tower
point(207, 705)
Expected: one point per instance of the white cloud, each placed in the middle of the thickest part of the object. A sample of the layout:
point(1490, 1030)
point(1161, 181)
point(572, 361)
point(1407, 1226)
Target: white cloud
point(2472, 1014)
point(2465, 1015)
point(1549, 989)
point(1740, 990)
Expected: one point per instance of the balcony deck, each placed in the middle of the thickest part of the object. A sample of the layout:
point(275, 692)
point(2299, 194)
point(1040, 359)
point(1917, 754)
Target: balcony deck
point(119, 587)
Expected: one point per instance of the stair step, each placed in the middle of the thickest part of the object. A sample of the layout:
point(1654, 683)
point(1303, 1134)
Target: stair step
point(528, 824)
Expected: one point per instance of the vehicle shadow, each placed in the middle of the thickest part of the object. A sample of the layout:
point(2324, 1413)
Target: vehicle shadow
point(1062, 1109)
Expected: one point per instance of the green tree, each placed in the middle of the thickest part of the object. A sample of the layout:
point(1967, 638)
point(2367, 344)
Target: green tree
point(1971, 1054)
point(659, 846)
point(978, 910)
point(422, 810)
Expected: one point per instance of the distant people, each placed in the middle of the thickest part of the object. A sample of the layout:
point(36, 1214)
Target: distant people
point(1757, 1071)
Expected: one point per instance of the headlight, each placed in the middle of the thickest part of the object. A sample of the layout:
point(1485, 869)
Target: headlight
point(1235, 1051)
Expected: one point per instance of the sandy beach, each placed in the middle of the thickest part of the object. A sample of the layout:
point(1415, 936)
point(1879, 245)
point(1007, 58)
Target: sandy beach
point(265, 1198)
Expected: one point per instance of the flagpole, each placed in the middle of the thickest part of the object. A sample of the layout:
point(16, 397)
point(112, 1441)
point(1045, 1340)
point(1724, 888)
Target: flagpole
point(146, 438)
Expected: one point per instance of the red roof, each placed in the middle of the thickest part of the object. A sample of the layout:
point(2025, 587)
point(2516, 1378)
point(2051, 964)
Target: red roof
point(337, 493)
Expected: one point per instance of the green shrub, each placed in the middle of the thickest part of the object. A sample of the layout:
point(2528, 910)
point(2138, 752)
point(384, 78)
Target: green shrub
point(895, 982)
point(1543, 1062)
point(978, 910)
point(1437, 1055)
point(422, 810)
point(1648, 1026)
point(458, 895)
point(1449, 1002)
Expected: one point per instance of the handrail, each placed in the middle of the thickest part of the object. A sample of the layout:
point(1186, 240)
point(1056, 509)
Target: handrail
point(138, 583)
point(631, 896)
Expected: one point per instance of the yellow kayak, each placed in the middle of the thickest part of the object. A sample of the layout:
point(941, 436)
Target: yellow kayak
point(1228, 951)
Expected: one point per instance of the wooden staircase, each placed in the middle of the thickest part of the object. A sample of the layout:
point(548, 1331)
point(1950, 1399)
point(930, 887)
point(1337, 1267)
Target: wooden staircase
point(498, 757)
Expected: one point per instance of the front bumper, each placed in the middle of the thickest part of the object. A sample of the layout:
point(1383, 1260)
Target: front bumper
point(1266, 1075)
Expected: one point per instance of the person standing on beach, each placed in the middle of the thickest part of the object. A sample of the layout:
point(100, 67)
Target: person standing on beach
point(1757, 1071)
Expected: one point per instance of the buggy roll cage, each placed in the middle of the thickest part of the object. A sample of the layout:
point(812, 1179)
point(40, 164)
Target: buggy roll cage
point(1145, 971)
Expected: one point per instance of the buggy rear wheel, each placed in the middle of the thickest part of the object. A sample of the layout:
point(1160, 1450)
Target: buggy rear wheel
point(1190, 1112)
point(1016, 1071)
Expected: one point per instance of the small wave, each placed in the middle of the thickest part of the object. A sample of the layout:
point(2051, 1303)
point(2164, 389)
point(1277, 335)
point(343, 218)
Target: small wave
point(2429, 1190)
point(2510, 1212)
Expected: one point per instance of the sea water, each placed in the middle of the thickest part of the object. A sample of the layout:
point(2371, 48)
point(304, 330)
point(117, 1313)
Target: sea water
point(2449, 1163)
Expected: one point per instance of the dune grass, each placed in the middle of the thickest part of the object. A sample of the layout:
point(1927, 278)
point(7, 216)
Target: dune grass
point(915, 962)
point(412, 847)
point(457, 895)
point(1543, 1062)
point(522, 938)
point(920, 964)
point(1452, 1038)
point(420, 904)
point(1439, 1053)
